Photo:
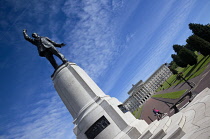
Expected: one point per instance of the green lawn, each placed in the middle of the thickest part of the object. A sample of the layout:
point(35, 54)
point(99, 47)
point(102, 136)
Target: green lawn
point(172, 95)
point(193, 71)
point(189, 72)
point(137, 112)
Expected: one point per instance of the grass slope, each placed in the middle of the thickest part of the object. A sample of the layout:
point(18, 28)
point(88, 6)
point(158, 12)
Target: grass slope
point(137, 112)
point(189, 72)
point(172, 95)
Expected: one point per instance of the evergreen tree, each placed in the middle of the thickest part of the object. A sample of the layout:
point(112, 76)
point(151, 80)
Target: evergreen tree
point(187, 56)
point(199, 44)
point(173, 65)
point(189, 47)
point(178, 61)
point(173, 70)
point(203, 31)
point(177, 48)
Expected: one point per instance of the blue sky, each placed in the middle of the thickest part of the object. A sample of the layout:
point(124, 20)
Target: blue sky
point(117, 42)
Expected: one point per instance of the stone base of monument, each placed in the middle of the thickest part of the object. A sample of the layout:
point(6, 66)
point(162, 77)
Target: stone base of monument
point(98, 116)
point(95, 114)
point(105, 120)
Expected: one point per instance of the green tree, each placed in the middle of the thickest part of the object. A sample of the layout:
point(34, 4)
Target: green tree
point(189, 47)
point(187, 56)
point(199, 44)
point(173, 70)
point(173, 65)
point(203, 31)
point(178, 61)
point(177, 48)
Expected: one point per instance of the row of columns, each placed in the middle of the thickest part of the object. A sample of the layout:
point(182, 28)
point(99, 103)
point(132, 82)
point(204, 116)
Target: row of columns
point(137, 98)
point(143, 92)
point(158, 78)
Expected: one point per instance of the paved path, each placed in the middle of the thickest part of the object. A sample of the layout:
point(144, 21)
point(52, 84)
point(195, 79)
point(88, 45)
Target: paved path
point(197, 117)
point(202, 81)
point(192, 122)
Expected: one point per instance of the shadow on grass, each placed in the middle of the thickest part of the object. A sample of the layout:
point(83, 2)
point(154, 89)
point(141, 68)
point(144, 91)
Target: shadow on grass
point(192, 69)
point(198, 68)
point(168, 102)
point(174, 83)
point(189, 75)
point(185, 68)
point(203, 61)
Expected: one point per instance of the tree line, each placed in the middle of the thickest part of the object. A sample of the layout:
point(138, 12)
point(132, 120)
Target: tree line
point(199, 41)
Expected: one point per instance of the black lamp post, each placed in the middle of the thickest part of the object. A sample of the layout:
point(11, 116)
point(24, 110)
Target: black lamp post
point(180, 76)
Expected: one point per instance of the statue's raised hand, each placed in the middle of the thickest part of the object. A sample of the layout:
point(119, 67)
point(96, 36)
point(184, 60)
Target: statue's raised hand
point(62, 44)
point(24, 30)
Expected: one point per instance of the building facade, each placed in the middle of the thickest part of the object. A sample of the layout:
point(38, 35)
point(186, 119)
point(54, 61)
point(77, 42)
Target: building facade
point(157, 78)
point(141, 91)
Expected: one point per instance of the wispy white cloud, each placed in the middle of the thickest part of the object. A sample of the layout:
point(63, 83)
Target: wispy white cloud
point(166, 38)
point(163, 46)
point(86, 28)
point(93, 45)
point(133, 49)
point(92, 37)
point(90, 28)
point(159, 48)
point(129, 37)
point(47, 118)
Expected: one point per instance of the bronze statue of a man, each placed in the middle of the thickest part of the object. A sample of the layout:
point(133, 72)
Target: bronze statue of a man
point(46, 48)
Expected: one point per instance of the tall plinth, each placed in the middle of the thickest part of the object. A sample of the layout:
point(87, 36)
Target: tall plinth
point(96, 115)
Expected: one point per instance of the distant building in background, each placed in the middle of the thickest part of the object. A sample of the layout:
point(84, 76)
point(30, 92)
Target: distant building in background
point(141, 91)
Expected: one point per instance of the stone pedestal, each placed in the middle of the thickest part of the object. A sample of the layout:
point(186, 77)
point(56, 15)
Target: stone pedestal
point(95, 114)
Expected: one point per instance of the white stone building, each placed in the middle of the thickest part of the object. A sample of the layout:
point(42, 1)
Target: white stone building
point(157, 78)
point(141, 91)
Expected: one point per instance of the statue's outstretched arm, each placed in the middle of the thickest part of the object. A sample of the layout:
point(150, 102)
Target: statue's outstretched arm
point(27, 37)
point(56, 44)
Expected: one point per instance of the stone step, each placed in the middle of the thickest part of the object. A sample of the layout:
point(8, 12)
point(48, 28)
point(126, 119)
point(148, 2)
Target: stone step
point(198, 117)
point(170, 129)
point(175, 130)
point(162, 127)
point(192, 122)
point(150, 130)
point(176, 133)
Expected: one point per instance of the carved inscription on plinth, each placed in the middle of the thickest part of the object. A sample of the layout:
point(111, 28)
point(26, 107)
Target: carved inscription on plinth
point(97, 127)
